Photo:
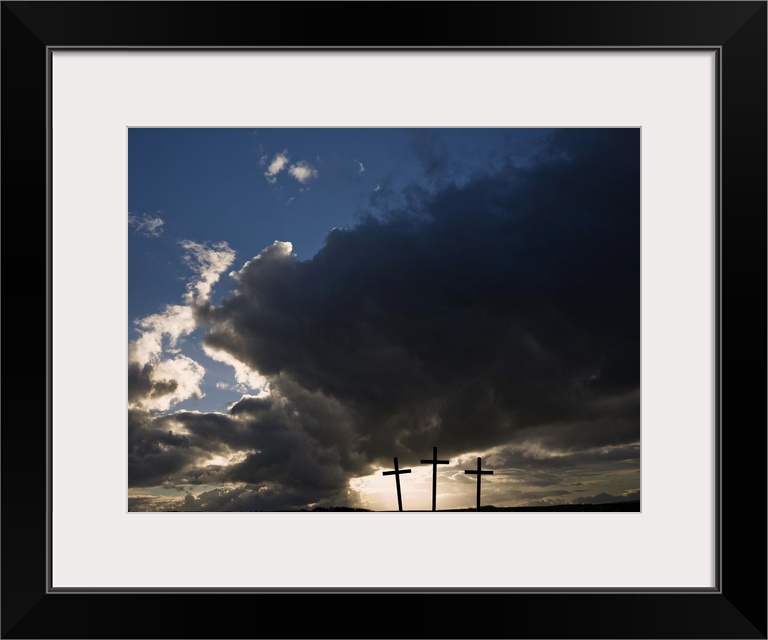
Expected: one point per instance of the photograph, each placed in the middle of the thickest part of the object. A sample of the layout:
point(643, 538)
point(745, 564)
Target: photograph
point(303, 274)
point(384, 319)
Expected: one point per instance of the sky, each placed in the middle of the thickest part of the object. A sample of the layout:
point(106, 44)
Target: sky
point(307, 304)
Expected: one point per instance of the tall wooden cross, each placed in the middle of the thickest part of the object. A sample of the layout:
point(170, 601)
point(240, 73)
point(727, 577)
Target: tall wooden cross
point(480, 474)
point(434, 462)
point(397, 473)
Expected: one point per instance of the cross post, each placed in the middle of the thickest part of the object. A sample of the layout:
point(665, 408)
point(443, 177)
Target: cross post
point(397, 473)
point(479, 474)
point(434, 462)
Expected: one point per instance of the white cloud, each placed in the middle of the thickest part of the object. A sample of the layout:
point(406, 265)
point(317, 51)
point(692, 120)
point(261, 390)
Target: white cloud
point(303, 171)
point(187, 376)
point(177, 320)
point(174, 322)
point(279, 162)
point(278, 248)
point(178, 377)
point(247, 378)
point(146, 224)
point(284, 248)
point(208, 262)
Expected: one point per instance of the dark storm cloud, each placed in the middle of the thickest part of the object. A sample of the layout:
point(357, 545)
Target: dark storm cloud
point(294, 446)
point(620, 425)
point(527, 495)
point(156, 455)
point(508, 303)
point(252, 498)
point(564, 471)
point(517, 459)
point(600, 498)
point(521, 478)
point(154, 503)
point(142, 386)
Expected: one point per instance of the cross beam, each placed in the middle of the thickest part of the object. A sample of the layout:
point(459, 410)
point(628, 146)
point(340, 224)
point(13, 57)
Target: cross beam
point(397, 471)
point(434, 462)
point(479, 474)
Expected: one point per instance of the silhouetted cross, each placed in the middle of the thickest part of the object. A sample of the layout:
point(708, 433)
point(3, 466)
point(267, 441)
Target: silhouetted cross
point(480, 474)
point(397, 473)
point(434, 462)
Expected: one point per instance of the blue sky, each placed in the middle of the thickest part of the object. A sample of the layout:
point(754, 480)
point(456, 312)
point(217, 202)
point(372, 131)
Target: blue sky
point(362, 277)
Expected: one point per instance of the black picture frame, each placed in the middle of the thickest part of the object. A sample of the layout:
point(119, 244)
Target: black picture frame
point(736, 608)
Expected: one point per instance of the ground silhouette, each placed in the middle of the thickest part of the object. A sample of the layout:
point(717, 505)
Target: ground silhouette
point(624, 505)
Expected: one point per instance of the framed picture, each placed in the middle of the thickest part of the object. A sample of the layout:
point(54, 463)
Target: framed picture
point(613, 157)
